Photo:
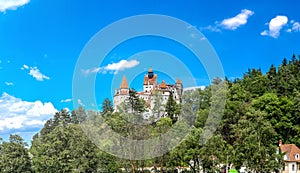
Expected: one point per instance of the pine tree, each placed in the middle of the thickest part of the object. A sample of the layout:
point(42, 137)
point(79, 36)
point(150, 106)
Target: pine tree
point(136, 104)
point(171, 107)
point(107, 107)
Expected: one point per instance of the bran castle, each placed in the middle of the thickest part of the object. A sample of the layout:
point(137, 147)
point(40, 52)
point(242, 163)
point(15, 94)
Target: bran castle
point(150, 88)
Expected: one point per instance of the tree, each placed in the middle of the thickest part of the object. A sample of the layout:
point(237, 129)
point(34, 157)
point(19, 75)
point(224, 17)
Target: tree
point(136, 104)
point(213, 154)
point(107, 107)
point(14, 156)
point(278, 111)
point(61, 118)
point(272, 76)
point(188, 150)
point(158, 108)
point(66, 148)
point(171, 107)
point(162, 126)
point(255, 144)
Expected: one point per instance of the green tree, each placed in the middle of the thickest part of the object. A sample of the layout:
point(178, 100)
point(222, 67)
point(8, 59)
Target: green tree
point(256, 143)
point(272, 76)
point(107, 107)
point(158, 108)
point(213, 153)
point(14, 156)
point(66, 148)
point(278, 112)
point(172, 108)
point(136, 104)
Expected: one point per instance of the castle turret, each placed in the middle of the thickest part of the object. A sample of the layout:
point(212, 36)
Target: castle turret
point(179, 87)
point(124, 89)
point(150, 73)
point(150, 81)
point(121, 94)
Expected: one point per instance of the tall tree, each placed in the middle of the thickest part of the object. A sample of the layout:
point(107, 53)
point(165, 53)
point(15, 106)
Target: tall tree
point(66, 148)
point(107, 107)
point(136, 104)
point(256, 143)
point(14, 156)
point(171, 107)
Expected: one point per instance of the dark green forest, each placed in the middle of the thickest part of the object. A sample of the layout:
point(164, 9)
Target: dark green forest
point(260, 109)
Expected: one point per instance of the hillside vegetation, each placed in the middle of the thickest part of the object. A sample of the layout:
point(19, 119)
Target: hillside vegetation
point(260, 110)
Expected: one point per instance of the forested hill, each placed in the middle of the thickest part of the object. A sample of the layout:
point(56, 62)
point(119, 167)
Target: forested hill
point(260, 110)
point(276, 94)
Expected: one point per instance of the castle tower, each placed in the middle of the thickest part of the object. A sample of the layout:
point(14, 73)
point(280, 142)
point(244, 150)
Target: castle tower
point(150, 73)
point(121, 94)
point(124, 89)
point(150, 81)
point(179, 87)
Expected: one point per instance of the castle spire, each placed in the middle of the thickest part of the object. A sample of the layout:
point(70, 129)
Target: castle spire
point(163, 84)
point(124, 84)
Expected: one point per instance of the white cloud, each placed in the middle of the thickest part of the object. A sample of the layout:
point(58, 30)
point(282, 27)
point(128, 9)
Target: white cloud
point(296, 27)
point(113, 67)
point(35, 73)
point(11, 4)
point(211, 28)
point(237, 21)
point(275, 25)
point(231, 23)
point(9, 83)
point(66, 100)
point(121, 65)
point(194, 88)
point(35, 123)
point(80, 102)
point(16, 114)
point(25, 66)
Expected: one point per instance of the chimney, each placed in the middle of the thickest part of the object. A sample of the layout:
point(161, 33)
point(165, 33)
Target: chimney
point(280, 142)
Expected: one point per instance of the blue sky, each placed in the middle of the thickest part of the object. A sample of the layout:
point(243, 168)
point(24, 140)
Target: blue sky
point(40, 42)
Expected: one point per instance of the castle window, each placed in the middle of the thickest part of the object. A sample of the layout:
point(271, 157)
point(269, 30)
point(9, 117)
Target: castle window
point(293, 167)
point(297, 156)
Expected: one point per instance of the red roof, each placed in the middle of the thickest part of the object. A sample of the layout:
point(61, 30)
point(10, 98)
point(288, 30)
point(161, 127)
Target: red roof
point(151, 81)
point(163, 84)
point(124, 84)
point(291, 150)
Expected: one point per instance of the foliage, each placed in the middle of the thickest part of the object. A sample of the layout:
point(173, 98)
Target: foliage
point(65, 148)
point(260, 110)
point(14, 156)
point(107, 107)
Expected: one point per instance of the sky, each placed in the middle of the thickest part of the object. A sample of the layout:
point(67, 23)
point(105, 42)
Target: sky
point(41, 42)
